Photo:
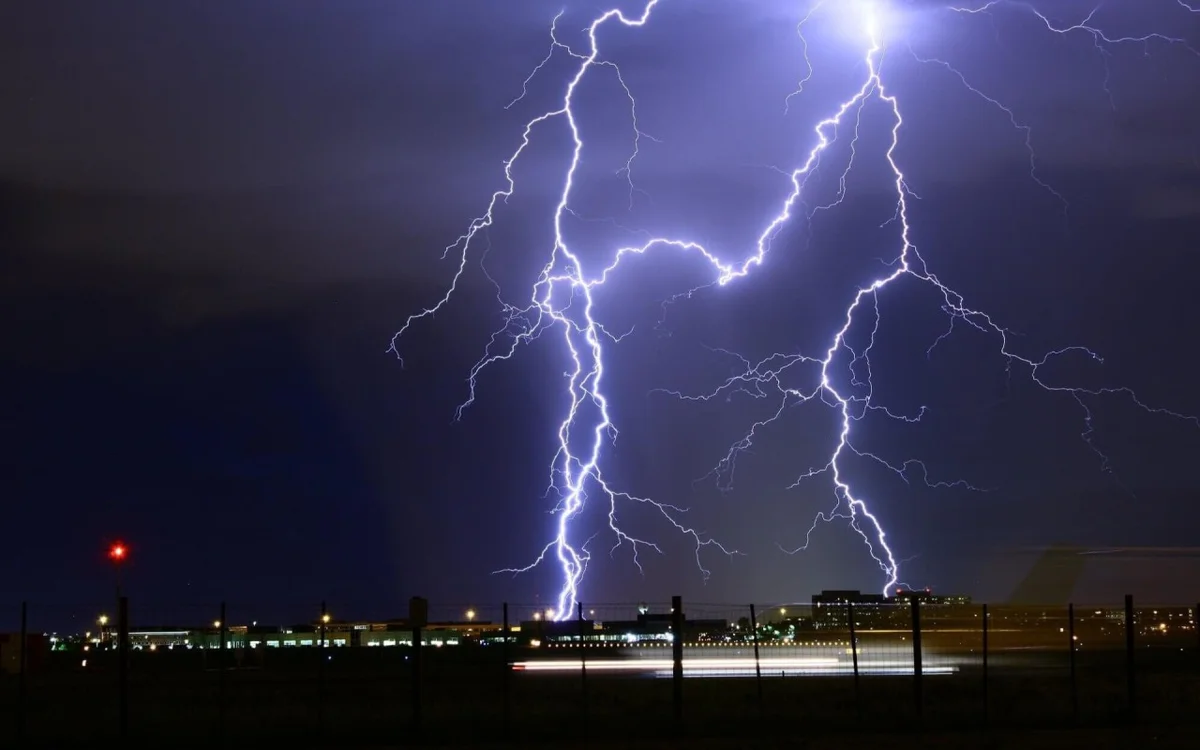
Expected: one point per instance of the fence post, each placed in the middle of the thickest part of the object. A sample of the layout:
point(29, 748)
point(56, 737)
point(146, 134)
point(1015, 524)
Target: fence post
point(757, 663)
point(506, 699)
point(1071, 644)
point(985, 664)
point(123, 666)
point(223, 634)
point(1130, 683)
point(416, 676)
point(677, 656)
point(22, 671)
point(418, 614)
point(582, 662)
point(854, 653)
point(321, 672)
point(918, 698)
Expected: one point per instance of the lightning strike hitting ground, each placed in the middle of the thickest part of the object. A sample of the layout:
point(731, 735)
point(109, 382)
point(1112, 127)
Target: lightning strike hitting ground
point(562, 301)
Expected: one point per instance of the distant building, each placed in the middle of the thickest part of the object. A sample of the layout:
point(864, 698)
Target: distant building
point(845, 596)
point(925, 596)
point(831, 610)
point(337, 634)
point(647, 628)
point(875, 611)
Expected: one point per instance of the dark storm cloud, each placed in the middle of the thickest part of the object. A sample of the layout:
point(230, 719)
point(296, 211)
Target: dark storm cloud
point(1171, 201)
point(216, 94)
point(260, 139)
point(222, 94)
point(221, 211)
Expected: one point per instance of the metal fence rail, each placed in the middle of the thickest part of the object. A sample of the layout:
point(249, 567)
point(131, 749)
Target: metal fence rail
point(448, 672)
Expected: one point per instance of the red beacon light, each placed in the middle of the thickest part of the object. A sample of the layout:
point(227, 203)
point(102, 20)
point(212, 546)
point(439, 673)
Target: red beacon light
point(118, 552)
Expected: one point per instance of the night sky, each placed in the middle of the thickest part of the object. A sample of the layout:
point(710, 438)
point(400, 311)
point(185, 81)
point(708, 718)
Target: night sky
point(215, 214)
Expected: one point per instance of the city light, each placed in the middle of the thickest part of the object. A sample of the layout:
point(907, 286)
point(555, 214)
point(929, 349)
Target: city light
point(470, 615)
point(325, 619)
point(102, 620)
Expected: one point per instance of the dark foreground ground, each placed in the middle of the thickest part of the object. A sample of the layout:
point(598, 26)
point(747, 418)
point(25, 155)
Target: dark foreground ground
point(366, 698)
point(1097, 739)
point(994, 740)
point(850, 739)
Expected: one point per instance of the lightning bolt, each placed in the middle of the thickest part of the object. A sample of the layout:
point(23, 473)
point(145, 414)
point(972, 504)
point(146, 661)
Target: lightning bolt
point(562, 301)
point(1100, 39)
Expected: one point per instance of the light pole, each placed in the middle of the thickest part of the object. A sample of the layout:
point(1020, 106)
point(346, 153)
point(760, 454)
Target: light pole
point(118, 552)
point(323, 657)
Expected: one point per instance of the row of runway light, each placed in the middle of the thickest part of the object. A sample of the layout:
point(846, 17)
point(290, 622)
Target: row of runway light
point(733, 667)
point(638, 645)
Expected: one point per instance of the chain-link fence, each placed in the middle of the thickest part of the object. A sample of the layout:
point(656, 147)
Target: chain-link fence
point(447, 672)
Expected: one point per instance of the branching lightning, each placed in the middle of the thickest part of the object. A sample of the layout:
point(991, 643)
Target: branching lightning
point(562, 302)
point(1101, 40)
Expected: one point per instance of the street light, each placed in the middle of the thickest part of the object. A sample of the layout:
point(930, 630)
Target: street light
point(217, 624)
point(102, 620)
point(324, 622)
point(470, 615)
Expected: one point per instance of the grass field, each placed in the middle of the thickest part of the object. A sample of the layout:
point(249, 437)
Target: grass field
point(366, 697)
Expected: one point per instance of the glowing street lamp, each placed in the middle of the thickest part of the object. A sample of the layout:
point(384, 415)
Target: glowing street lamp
point(102, 620)
point(324, 624)
point(470, 615)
